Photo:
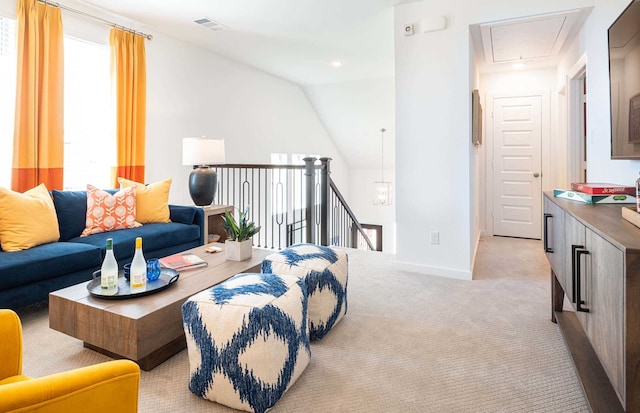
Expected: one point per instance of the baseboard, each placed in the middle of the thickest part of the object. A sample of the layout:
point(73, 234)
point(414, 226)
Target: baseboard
point(431, 270)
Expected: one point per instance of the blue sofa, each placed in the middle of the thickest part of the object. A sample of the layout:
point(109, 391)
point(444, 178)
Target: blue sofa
point(28, 276)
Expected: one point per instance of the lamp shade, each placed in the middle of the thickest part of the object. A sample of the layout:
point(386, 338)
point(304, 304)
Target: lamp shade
point(202, 151)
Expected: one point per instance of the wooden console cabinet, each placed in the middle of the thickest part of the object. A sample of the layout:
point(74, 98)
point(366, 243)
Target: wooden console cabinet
point(595, 261)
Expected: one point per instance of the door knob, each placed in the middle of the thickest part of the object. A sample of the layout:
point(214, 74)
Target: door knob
point(535, 174)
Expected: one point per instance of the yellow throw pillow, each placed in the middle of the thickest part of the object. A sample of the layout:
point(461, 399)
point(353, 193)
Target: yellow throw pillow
point(152, 199)
point(27, 219)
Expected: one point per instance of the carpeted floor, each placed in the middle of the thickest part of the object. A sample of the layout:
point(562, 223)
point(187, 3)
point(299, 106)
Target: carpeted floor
point(409, 343)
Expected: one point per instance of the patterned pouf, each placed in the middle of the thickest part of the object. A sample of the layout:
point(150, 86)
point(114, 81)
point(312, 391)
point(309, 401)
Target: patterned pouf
point(325, 270)
point(247, 339)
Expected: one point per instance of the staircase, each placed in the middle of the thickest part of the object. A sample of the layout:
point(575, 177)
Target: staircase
point(292, 204)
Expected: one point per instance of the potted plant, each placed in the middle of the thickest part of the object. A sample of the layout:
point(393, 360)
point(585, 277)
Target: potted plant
point(238, 246)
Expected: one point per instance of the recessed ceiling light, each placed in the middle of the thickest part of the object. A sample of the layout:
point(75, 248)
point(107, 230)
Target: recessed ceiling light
point(518, 66)
point(336, 63)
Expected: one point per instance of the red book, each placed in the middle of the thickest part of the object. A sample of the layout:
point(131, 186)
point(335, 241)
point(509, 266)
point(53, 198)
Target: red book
point(602, 189)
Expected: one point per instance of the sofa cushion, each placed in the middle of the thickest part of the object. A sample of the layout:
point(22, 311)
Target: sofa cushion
point(46, 261)
point(182, 214)
point(152, 200)
point(71, 208)
point(154, 237)
point(27, 219)
point(107, 212)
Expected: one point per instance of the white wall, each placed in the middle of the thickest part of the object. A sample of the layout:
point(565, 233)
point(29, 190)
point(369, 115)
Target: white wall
point(191, 92)
point(353, 113)
point(476, 163)
point(592, 41)
point(433, 156)
point(8, 8)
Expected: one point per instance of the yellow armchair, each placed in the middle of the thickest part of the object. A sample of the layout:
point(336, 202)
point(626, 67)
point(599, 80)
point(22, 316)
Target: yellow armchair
point(106, 387)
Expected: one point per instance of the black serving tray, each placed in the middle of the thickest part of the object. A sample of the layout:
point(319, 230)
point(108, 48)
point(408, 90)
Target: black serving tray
point(167, 278)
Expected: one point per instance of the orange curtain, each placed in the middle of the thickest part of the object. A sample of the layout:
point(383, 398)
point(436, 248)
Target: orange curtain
point(128, 72)
point(38, 139)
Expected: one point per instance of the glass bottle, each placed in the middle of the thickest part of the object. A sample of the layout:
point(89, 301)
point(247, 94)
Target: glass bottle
point(109, 271)
point(138, 270)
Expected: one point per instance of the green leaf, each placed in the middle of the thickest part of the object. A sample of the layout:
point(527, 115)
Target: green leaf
point(240, 230)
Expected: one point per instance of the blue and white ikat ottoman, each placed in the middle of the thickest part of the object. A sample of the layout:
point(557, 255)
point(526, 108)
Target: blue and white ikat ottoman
point(247, 339)
point(325, 271)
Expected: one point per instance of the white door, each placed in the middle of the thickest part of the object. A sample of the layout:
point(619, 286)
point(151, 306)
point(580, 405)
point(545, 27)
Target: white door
point(517, 164)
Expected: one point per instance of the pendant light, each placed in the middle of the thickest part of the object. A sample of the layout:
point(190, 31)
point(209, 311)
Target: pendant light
point(382, 188)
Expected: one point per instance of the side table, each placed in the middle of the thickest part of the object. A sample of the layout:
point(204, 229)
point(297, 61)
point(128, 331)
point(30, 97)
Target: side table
point(213, 222)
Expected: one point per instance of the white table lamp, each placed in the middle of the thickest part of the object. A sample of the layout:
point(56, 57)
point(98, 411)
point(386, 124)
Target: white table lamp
point(203, 181)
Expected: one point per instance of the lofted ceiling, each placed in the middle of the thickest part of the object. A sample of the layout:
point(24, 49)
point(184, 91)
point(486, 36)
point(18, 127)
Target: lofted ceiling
point(298, 40)
point(293, 39)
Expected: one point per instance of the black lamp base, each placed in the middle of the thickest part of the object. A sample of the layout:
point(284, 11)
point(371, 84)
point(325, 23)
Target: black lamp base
point(203, 182)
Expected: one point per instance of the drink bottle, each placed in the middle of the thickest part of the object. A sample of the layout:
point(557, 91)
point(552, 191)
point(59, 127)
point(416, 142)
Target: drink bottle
point(109, 271)
point(138, 270)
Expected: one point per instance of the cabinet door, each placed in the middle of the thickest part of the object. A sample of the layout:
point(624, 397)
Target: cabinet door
point(605, 300)
point(574, 233)
point(554, 239)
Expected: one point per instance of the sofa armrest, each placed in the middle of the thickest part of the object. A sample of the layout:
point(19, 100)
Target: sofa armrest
point(188, 215)
point(107, 387)
point(10, 345)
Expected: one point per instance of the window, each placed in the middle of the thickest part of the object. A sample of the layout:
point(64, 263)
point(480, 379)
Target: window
point(7, 97)
point(298, 158)
point(89, 119)
point(374, 232)
point(89, 123)
point(278, 158)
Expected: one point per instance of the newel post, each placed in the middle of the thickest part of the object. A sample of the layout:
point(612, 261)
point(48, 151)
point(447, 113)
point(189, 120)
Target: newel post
point(325, 175)
point(310, 189)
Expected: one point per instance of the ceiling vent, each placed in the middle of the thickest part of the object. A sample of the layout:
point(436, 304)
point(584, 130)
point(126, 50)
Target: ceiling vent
point(211, 24)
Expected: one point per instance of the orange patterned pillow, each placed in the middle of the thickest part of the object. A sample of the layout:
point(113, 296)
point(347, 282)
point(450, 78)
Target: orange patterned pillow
point(106, 212)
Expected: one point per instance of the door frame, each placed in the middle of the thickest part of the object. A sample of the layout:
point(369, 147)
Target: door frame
point(575, 141)
point(544, 146)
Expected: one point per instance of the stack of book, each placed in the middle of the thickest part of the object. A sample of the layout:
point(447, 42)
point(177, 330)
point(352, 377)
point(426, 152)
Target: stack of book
point(182, 261)
point(597, 193)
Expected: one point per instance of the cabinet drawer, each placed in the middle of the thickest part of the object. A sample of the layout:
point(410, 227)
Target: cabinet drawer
point(574, 233)
point(604, 297)
point(553, 233)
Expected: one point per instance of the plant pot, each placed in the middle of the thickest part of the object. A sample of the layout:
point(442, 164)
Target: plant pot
point(238, 251)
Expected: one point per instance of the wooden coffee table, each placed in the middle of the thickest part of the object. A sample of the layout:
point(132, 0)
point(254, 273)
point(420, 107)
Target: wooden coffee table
point(147, 330)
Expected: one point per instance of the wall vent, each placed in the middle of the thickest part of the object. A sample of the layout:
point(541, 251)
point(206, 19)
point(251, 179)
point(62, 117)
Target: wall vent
point(211, 24)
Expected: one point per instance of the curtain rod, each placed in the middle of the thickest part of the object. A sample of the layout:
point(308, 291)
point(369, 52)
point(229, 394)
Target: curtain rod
point(100, 19)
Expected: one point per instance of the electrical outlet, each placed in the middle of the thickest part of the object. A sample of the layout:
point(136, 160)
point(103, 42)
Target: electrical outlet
point(435, 237)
